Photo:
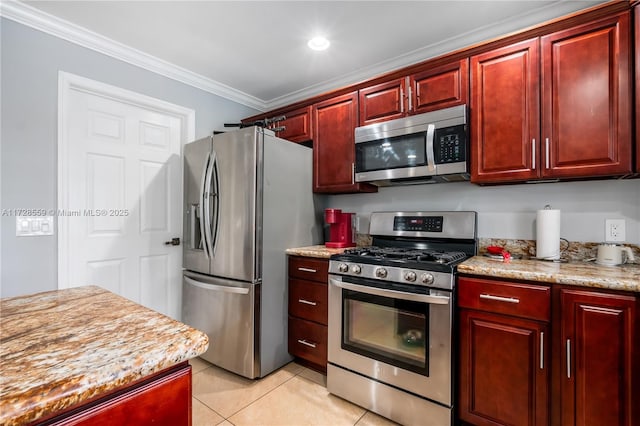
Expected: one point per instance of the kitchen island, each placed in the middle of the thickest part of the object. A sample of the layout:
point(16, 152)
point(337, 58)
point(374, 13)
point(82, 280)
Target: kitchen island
point(86, 350)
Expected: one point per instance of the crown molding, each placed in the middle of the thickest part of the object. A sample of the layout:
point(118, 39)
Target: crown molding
point(49, 24)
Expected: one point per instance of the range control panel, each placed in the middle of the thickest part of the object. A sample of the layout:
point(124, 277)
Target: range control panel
point(418, 223)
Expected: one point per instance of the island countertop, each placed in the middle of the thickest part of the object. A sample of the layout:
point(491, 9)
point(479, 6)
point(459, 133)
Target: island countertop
point(61, 348)
point(586, 274)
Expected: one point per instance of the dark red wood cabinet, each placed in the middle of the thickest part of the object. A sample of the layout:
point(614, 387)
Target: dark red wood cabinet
point(504, 353)
point(636, 16)
point(163, 399)
point(308, 294)
point(334, 122)
point(598, 366)
point(582, 125)
point(532, 354)
point(432, 88)
point(297, 125)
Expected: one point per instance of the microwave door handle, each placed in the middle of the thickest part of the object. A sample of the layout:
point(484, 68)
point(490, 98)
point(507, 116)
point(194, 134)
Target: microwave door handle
point(393, 294)
point(202, 206)
point(431, 161)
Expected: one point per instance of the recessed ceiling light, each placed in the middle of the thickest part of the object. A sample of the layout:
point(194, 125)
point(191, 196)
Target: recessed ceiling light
point(318, 43)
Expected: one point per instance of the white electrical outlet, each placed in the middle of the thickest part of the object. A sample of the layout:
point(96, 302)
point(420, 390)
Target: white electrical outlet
point(614, 230)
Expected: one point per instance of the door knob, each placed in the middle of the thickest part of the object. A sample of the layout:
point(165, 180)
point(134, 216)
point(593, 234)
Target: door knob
point(173, 242)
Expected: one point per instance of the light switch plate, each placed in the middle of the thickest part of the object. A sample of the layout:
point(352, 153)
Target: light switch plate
point(33, 226)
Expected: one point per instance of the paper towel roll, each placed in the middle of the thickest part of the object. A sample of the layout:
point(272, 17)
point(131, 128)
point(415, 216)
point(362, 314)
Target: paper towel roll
point(548, 234)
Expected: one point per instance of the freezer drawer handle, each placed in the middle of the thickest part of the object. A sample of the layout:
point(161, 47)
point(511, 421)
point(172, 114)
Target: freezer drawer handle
point(207, 286)
point(307, 270)
point(307, 302)
point(304, 342)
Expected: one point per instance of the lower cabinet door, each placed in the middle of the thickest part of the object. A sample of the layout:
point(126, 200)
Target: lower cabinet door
point(598, 362)
point(308, 340)
point(504, 370)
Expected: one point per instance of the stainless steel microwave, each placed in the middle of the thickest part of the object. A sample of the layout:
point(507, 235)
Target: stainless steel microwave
point(423, 148)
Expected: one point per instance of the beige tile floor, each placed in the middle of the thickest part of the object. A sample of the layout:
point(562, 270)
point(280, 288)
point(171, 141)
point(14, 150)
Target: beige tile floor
point(293, 396)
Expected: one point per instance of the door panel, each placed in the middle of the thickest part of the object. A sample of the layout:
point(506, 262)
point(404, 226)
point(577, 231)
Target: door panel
point(597, 363)
point(236, 155)
point(505, 118)
point(196, 155)
point(587, 100)
point(226, 311)
point(121, 186)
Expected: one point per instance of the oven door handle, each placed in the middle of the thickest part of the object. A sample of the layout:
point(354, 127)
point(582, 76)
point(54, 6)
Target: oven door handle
point(394, 294)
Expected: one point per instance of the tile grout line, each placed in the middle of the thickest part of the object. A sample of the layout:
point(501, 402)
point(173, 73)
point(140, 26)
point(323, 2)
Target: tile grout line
point(260, 397)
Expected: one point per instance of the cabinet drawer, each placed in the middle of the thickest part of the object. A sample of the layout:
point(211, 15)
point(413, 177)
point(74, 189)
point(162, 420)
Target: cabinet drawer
point(520, 300)
point(308, 340)
point(308, 268)
point(308, 300)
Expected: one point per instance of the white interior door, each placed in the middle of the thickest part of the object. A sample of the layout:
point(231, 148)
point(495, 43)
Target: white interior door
point(120, 193)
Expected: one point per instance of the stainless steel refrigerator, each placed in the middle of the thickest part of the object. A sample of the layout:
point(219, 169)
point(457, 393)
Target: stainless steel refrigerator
point(248, 197)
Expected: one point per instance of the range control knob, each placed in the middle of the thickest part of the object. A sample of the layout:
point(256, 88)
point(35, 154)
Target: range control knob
point(356, 269)
point(343, 267)
point(410, 276)
point(381, 273)
point(427, 278)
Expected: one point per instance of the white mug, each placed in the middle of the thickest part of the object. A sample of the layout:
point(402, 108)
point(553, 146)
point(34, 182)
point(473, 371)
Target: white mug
point(612, 254)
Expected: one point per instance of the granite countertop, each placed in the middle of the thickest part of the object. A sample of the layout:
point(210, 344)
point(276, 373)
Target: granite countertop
point(61, 348)
point(319, 251)
point(588, 274)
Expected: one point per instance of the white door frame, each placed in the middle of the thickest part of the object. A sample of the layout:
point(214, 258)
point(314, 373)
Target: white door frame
point(68, 82)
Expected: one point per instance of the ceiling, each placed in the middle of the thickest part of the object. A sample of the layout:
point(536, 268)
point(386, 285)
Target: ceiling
point(255, 52)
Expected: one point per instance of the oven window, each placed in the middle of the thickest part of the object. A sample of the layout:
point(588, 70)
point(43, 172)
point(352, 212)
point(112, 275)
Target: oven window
point(391, 153)
point(388, 330)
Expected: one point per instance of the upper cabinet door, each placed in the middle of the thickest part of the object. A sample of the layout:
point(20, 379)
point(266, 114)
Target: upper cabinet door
point(297, 125)
point(335, 121)
point(440, 87)
point(382, 102)
point(586, 107)
point(505, 118)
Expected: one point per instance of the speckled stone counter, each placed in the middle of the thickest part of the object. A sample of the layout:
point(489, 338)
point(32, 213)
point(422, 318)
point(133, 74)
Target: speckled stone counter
point(319, 251)
point(587, 274)
point(61, 348)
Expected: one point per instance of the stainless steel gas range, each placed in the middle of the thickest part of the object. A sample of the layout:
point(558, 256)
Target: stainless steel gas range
point(390, 344)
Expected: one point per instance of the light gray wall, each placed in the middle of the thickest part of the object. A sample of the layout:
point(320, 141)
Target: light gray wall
point(510, 211)
point(29, 87)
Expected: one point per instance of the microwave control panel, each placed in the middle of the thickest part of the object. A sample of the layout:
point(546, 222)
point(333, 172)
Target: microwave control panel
point(450, 144)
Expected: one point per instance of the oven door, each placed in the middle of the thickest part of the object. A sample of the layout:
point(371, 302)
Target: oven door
point(399, 337)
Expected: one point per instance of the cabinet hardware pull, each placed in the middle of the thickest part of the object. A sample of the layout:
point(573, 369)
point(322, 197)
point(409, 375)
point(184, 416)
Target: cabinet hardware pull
point(307, 270)
point(402, 100)
point(533, 154)
point(304, 342)
point(541, 350)
point(410, 98)
point(568, 358)
point(500, 298)
point(307, 302)
point(546, 144)
point(353, 173)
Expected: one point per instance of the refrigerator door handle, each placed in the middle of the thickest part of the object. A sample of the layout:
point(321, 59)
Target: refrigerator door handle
point(202, 207)
point(206, 200)
point(215, 196)
point(215, 287)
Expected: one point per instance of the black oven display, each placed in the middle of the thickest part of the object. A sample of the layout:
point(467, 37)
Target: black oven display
point(418, 223)
point(389, 330)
